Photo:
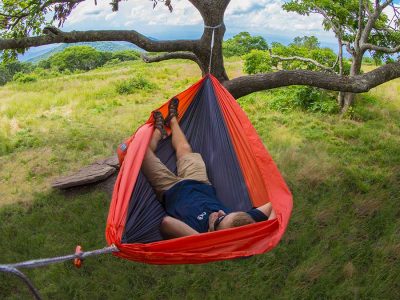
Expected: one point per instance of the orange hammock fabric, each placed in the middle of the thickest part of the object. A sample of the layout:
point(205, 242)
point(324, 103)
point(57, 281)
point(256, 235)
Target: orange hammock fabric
point(262, 178)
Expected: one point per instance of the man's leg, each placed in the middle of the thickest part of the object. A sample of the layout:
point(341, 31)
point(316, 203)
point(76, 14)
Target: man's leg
point(159, 176)
point(190, 165)
point(179, 141)
point(155, 139)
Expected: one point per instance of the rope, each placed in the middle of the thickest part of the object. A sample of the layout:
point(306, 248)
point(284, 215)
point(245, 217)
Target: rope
point(13, 268)
point(53, 260)
point(24, 278)
point(212, 43)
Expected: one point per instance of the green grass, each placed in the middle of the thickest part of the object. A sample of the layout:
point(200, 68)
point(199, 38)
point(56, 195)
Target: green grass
point(343, 240)
point(56, 125)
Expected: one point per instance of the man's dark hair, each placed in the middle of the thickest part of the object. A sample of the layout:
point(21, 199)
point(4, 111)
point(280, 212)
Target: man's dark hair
point(240, 219)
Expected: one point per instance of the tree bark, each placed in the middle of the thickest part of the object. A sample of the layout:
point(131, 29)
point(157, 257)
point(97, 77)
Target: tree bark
point(172, 55)
point(131, 36)
point(212, 12)
point(340, 56)
point(348, 98)
point(242, 86)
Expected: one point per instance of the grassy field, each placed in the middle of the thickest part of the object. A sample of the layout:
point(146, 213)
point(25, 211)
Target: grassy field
point(343, 240)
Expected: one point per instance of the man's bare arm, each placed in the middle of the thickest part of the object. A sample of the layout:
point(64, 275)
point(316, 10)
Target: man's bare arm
point(174, 228)
point(267, 210)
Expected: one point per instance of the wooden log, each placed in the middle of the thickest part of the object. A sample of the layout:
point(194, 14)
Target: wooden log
point(93, 173)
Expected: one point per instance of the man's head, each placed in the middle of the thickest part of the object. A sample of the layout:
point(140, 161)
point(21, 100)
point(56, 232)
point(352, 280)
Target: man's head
point(219, 220)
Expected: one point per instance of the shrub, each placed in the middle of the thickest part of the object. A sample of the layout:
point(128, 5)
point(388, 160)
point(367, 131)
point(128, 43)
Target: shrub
point(85, 58)
point(257, 61)
point(25, 78)
point(25, 139)
point(9, 69)
point(368, 61)
point(79, 58)
point(46, 73)
point(304, 98)
point(243, 43)
point(44, 64)
point(138, 83)
point(5, 144)
point(112, 62)
point(67, 72)
point(125, 55)
point(5, 75)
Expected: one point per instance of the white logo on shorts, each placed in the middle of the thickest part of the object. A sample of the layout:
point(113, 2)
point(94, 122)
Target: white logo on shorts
point(201, 216)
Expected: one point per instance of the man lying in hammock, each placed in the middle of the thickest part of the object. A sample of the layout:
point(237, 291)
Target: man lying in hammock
point(188, 197)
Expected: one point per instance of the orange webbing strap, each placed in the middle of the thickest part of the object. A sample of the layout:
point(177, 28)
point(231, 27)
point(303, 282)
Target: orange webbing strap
point(78, 260)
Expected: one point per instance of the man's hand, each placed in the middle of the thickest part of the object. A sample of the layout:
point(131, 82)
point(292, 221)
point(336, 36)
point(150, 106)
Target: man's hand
point(213, 217)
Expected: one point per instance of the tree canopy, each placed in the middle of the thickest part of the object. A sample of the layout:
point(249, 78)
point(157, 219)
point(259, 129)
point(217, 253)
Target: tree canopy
point(309, 42)
point(243, 43)
point(304, 53)
point(360, 26)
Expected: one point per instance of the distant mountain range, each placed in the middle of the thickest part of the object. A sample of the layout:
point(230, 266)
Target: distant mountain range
point(35, 55)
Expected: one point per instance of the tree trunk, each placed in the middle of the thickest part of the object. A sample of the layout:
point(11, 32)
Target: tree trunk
point(347, 102)
point(212, 12)
point(205, 56)
point(340, 55)
point(348, 98)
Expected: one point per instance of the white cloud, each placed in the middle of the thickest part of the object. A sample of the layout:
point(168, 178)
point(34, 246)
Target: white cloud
point(264, 17)
point(138, 12)
point(269, 17)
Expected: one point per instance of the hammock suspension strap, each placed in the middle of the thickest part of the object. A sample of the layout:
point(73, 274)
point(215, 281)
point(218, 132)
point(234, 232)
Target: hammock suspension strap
point(212, 43)
point(77, 257)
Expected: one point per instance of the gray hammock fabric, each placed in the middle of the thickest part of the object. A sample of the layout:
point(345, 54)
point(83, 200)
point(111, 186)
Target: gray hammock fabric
point(206, 131)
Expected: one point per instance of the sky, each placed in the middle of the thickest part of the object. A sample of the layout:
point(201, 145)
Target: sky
point(259, 17)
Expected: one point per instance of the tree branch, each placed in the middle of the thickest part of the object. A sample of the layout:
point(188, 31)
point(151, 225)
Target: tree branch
point(359, 29)
point(303, 59)
point(242, 86)
point(100, 35)
point(335, 27)
point(380, 48)
point(173, 55)
point(385, 4)
point(366, 5)
point(372, 20)
point(349, 49)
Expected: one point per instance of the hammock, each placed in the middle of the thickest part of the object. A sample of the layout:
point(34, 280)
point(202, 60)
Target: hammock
point(238, 165)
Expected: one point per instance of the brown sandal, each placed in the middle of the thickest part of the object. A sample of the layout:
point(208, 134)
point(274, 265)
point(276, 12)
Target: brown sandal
point(159, 123)
point(172, 110)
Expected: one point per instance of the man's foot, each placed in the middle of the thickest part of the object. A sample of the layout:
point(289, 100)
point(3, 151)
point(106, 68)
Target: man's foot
point(172, 110)
point(159, 123)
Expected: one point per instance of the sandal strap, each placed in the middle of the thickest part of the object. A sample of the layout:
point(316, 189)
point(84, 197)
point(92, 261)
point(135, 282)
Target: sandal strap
point(172, 110)
point(159, 123)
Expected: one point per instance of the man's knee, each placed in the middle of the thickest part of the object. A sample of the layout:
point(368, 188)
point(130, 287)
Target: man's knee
point(184, 149)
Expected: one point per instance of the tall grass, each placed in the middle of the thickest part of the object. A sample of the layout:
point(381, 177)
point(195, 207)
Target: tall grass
point(53, 126)
point(343, 239)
